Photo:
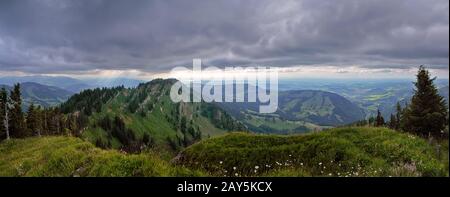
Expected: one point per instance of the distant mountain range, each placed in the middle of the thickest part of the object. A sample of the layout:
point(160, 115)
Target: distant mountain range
point(370, 94)
point(39, 94)
point(298, 111)
point(67, 83)
point(52, 90)
point(71, 84)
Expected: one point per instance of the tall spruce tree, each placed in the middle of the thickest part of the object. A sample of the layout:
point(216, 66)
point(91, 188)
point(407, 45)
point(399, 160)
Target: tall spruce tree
point(16, 117)
point(39, 120)
point(4, 130)
point(379, 121)
point(33, 120)
point(43, 115)
point(398, 116)
point(30, 120)
point(426, 115)
point(393, 122)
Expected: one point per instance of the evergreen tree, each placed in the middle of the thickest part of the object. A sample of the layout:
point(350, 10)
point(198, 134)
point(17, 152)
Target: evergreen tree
point(379, 121)
point(51, 126)
point(56, 122)
point(45, 121)
point(426, 115)
point(39, 120)
point(393, 122)
point(33, 121)
point(4, 128)
point(16, 117)
point(398, 116)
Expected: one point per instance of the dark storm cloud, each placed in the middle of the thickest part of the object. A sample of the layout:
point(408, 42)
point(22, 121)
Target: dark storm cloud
point(54, 36)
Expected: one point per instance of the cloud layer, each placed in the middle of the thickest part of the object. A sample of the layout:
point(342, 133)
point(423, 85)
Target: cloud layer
point(54, 36)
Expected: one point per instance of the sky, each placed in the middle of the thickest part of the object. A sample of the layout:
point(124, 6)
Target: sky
point(146, 39)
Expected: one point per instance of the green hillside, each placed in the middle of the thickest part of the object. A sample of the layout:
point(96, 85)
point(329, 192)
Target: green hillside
point(145, 116)
point(68, 156)
point(335, 152)
point(319, 107)
point(299, 111)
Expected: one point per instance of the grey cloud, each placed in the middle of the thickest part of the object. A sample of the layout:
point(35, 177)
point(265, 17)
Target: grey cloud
point(54, 36)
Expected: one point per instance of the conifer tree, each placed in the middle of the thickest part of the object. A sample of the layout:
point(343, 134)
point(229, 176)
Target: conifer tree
point(4, 128)
point(33, 121)
point(16, 117)
point(426, 115)
point(379, 121)
point(39, 120)
point(45, 121)
point(393, 122)
point(398, 116)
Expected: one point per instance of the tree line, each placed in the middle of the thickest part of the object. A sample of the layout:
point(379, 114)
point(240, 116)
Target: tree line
point(426, 114)
point(36, 121)
point(90, 101)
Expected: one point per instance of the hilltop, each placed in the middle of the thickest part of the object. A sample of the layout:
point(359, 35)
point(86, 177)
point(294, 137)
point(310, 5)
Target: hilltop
point(358, 151)
point(146, 116)
point(69, 156)
point(336, 152)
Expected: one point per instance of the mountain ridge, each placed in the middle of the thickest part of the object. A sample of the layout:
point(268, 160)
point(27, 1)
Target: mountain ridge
point(39, 94)
point(146, 113)
point(298, 111)
point(71, 84)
